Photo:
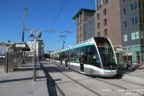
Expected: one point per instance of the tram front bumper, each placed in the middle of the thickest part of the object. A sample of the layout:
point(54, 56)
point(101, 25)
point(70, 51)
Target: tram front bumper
point(109, 73)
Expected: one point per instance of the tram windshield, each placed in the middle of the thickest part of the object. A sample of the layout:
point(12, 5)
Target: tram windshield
point(106, 53)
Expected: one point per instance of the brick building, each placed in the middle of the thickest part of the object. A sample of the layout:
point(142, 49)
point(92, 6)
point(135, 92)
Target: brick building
point(81, 17)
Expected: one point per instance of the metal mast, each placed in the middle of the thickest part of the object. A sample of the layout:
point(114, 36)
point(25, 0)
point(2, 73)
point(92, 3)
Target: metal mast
point(23, 24)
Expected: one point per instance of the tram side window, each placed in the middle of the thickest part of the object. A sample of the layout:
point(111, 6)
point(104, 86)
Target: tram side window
point(74, 55)
point(92, 56)
point(60, 56)
point(56, 56)
point(71, 56)
point(83, 55)
point(65, 55)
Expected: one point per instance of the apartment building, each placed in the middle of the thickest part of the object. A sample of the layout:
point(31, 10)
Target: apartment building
point(107, 21)
point(120, 20)
point(81, 18)
point(132, 21)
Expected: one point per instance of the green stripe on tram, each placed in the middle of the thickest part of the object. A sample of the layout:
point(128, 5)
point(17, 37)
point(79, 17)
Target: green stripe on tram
point(82, 45)
point(63, 50)
point(75, 47)
point(110, 69)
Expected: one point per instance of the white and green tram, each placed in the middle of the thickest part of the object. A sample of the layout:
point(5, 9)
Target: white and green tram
point(95, 56)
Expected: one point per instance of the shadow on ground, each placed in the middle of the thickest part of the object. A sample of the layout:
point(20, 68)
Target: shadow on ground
point(51, 85)
point(25, 67)
point(20, 79)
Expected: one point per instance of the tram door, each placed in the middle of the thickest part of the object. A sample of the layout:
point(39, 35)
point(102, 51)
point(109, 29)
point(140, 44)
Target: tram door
point(82, 58)
point(82, 67)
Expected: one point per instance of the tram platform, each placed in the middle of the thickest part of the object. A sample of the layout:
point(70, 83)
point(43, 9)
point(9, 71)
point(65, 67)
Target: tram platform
point(21, 83)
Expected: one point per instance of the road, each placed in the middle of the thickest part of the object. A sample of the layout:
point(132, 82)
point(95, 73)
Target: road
point(71, 83)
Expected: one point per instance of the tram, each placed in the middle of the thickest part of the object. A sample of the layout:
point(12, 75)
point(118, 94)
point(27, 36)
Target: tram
point(95, 56)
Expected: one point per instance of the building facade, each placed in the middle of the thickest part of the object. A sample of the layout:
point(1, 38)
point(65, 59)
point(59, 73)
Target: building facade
point(107, 21)
point(120, 20)
point(81, 18)
point(39, 48)
point(90, 28)
point(132, 21)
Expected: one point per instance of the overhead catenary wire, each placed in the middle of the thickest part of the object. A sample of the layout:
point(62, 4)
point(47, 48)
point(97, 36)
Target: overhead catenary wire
point(58, 15)
point(55, 31)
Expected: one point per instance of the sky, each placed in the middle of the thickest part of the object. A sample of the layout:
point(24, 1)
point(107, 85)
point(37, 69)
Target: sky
point(42, 15)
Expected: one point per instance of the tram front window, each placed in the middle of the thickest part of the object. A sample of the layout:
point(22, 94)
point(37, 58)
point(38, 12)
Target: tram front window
point(106, 54)
point(92, 56)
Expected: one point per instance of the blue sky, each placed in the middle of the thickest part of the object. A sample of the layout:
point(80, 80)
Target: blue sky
point(40, 15)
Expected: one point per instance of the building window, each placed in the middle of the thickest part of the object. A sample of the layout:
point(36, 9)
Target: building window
point(137, 35)
point(135, 5)
point(132, 21)
point(104, 11)
point(80, 35)
point(133, 36)
point(136, 20)
point(99, 1)
point(124, 11)
point(100, 7)
point(131, 7)
point(105, 32)
point(124, 24)
point(98, 34)
point(98, 16)
point(123, 0)
point(98, 25)
point(141, 34)
point(107, 1)
point(80, 28)
point(125, 38)
point(105, 22)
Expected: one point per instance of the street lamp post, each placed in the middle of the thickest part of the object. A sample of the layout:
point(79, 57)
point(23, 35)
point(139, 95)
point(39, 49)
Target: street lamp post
point(63, 44)
point(63, 40)
point(36, 35)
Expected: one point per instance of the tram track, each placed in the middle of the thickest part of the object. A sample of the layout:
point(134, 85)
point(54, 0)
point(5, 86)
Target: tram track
point(116, 85)
point(132, 83)
point(119, 86)
point(62, 93)
point(97, 94)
